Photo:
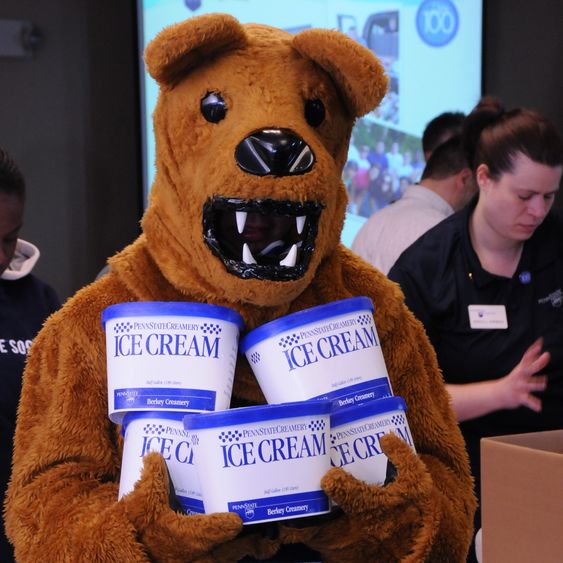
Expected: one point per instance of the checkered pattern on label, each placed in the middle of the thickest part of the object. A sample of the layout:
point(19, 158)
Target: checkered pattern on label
point(289, 340)
point(153, 428)
point(229, 436)
point(316, 425)
point(255, 357)
point(211, 328)
point(397, 419)
point(365, 320)
point(118, 328)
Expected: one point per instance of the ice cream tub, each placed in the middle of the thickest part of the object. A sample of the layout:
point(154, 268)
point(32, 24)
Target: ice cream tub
point(355, 433)
point(161, 432)
point(264, 463)
point(327, 352)
point(175, 356)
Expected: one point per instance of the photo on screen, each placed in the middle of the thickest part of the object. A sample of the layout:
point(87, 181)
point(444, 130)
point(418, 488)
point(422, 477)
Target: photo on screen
point(431, 51)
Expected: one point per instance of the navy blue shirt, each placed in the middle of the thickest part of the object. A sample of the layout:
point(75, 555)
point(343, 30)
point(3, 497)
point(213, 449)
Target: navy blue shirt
point(440, 275)
point(24, 305)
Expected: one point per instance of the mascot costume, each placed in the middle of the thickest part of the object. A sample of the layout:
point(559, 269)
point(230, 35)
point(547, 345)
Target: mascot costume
point(251, 122)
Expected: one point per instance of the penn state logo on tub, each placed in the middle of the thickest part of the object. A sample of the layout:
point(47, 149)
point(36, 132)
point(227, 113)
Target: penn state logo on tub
point(265, 462)
point(161, 432)
point(355, 433)
point(327, 352)
point(175, 356)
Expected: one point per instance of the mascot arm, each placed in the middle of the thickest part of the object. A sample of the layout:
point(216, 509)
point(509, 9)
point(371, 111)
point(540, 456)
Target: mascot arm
point(426, 513)
point(62, 500)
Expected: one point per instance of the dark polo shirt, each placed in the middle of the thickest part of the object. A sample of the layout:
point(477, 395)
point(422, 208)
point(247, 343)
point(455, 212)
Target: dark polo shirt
point(440, 275)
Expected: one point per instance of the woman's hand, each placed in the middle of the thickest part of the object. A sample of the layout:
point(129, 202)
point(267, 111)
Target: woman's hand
point(516, 388)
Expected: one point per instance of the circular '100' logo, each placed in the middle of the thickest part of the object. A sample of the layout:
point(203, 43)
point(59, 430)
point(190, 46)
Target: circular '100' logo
point(437, 22)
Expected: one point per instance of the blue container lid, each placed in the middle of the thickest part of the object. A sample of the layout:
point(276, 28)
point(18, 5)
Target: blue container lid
point(261, 413)
point(344, 415)
point(134, 415)
point(171, 309)
point(304, 317)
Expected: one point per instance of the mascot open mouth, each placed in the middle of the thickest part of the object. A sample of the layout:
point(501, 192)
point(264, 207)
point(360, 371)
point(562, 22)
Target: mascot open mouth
point(262, 239)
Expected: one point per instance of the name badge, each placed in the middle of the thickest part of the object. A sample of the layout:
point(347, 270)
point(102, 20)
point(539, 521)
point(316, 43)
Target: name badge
point(487, 316)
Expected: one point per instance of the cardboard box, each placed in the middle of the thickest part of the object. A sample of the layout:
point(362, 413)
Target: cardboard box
point(522, 498)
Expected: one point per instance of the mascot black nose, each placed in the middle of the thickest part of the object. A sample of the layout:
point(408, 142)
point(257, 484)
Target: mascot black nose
point(279, 152)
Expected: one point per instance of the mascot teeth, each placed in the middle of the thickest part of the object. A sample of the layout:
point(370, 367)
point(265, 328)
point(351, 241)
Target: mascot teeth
point(241, 221)
point(247, 257)
point(291, 257)
point(262, 239)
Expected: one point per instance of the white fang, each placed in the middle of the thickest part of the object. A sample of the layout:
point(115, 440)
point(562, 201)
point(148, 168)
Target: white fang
point(247, 257)
point(300, 223)
point(241, 221)
point(291, 257)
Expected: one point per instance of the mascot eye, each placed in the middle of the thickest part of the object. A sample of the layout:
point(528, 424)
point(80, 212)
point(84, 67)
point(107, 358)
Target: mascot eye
point(314, 112)
point(213, 107)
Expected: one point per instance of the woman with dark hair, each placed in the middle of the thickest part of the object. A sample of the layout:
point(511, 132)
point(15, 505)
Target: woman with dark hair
point(25, 302)
point(487, 283)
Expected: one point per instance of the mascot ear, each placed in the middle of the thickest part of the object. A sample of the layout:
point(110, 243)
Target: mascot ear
point(179, 48)
point(355, 70)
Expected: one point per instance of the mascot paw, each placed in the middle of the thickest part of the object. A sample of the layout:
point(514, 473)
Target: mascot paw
point(411, 485)
point(395, 522)
point(169, 535)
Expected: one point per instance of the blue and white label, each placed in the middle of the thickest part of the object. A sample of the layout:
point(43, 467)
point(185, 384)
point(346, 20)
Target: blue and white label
point(191, 505)
point(357, 394)
point(127, 342)
point(241, 447)
point(356, 446)
point(337, 358)
point(264, 470)
point(183, 363)
point(163, 433)
point(303, 348)
point(280, 507)
point(155, 398)
point(437, 22)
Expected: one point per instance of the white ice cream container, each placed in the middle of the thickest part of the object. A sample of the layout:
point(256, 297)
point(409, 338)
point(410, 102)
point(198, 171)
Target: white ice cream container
point(170, 356)
point(264, 463)
point(327, 352)
point(355, 433)
point(161, 432)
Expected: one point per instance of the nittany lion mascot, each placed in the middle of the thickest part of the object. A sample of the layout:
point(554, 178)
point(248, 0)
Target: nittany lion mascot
point(252, 128)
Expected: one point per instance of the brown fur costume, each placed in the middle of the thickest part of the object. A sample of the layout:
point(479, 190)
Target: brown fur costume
point(62, 502)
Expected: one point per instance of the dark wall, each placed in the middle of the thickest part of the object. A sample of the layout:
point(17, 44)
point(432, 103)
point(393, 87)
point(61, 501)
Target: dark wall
point(524, 54)
point(69, 117)
point(523, 62)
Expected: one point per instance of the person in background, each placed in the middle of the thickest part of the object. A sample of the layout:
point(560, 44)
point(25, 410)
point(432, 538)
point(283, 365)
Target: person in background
point(446, 186)
point(394, 157)
point(440, 129)
point(25, 302)
point(418, 163)
point(487, 283)
point(378, 157)
point(406, 169)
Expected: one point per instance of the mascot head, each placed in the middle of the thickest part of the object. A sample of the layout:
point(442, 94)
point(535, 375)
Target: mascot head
point(252, 128)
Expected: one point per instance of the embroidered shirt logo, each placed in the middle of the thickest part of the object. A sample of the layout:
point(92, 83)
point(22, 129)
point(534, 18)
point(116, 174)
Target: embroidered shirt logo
point(555, 298)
